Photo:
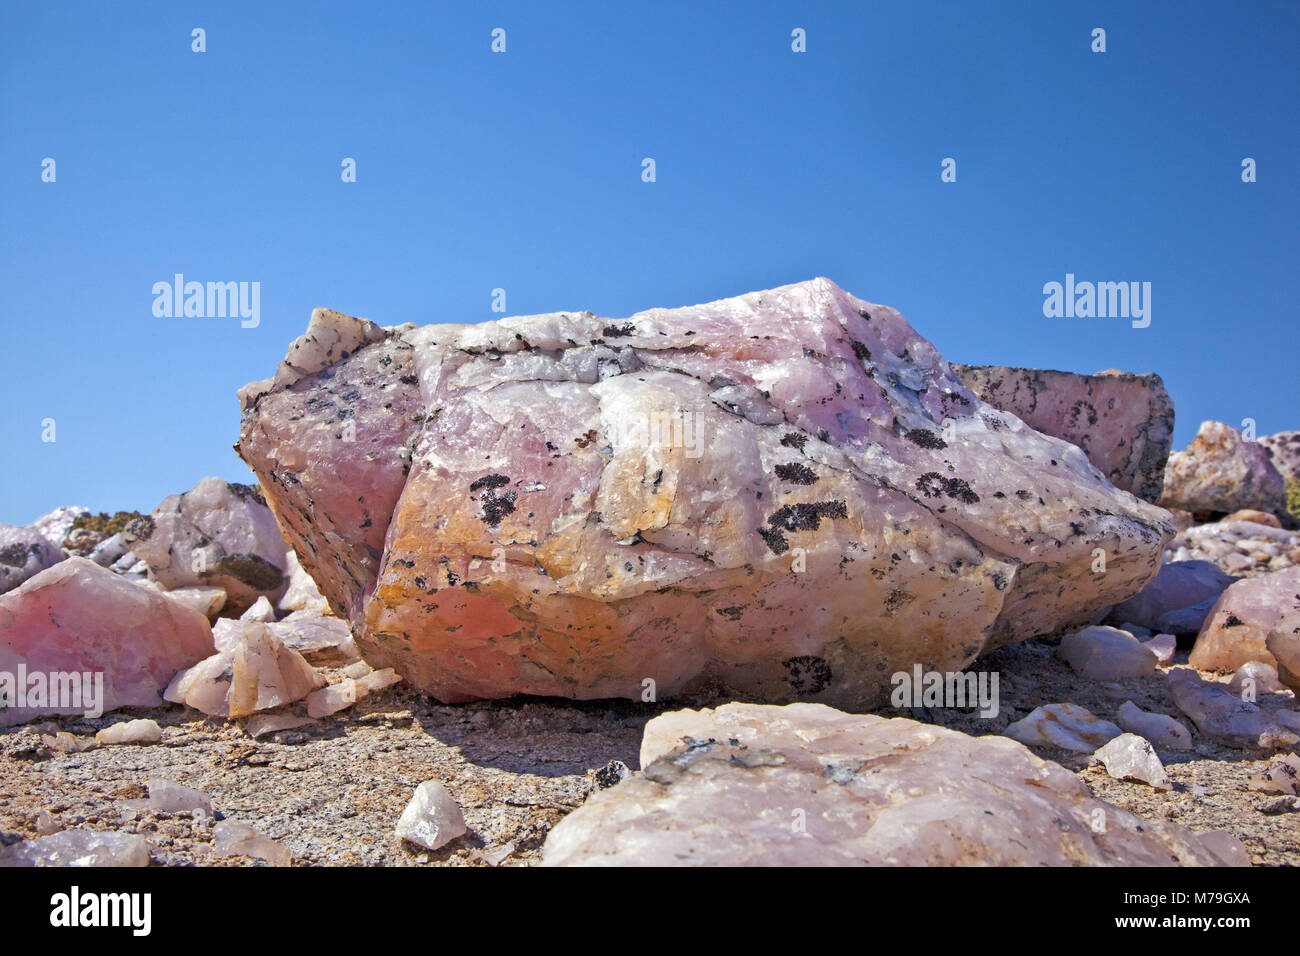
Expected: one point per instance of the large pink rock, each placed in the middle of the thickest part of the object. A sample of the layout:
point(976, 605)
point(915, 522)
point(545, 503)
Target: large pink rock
point(1238, 627)
point(1123, 422)
point(77, 617)
point(1220, 472)
point(786, 494)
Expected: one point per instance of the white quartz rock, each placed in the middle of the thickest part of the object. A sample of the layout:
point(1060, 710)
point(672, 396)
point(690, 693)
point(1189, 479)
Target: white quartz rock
point(1163, 647)
point(301, 593)
point(232, 838)
point(336, 697)
point(207, 601)
point(261, 611)
point(1164, 732)
point(1130, 757)
point(79, 848)
point(1106, 653)
point(170, 797)
point(805, 785)
point(432, 819)
point(1067, 726)
point(1254, 678)
point(55, 525)
point(130, 732)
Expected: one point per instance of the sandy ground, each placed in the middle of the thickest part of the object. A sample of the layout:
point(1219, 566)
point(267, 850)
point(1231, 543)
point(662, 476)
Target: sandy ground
point(333, 791)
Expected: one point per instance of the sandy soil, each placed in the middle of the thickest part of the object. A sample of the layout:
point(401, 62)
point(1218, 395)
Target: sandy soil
point(333, 791)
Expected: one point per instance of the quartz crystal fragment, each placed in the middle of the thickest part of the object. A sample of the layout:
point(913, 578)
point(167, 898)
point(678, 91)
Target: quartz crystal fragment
point(1163, 731)
point(252, 672)
point(432, 819)
point(1130, 757)
point(232, 838)
point(79, 848)
point(170, 797)
point(130, 732)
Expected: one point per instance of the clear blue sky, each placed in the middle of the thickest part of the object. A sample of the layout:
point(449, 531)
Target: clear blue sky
point(523, 171)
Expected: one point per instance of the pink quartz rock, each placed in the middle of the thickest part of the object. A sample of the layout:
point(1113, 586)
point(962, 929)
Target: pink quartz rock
point(1283, 642)
point(1123, 422)
point(1224, 717)
point(1220, 472)
point(24, 552)
point(1283, 450)
point(218, 534)
point(77, 617)
point(1106, 653)
point(1239, 625)
point(805, 785)
point(786, 494)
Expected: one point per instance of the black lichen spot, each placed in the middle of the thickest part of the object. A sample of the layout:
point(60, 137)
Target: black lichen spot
point(15, 556)
point(618, 331)
point(861, 351)
point(496, 507)
point(489, 482)
point(139, 529)
point(611, 774)
point(806, 516)
point(808, 674)
point(959, 489)
point(1024, 495)
point(932, 485)
point(924, 438)
point(1233, 621)
point(731, 613)
point(794, 440)
point(775, 540)
point(408, 379)
point(796, 474)
point(1077, 411)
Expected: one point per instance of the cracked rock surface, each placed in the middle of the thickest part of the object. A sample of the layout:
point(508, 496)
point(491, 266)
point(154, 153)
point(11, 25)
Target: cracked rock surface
point(808, 785)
